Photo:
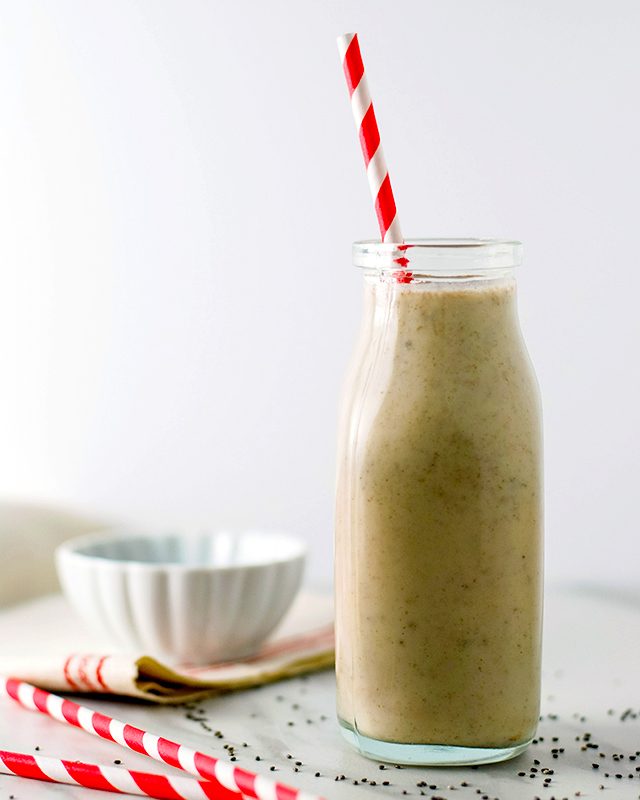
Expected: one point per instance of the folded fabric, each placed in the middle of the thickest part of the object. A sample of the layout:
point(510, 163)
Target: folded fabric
point(43, 642)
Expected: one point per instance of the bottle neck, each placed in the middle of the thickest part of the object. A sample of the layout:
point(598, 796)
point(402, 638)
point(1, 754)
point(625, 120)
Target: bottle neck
point(438, 260)
point(457, 311)
point(444, 278)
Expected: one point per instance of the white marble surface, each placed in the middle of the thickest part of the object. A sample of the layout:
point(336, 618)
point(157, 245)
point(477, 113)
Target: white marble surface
point(591, 669)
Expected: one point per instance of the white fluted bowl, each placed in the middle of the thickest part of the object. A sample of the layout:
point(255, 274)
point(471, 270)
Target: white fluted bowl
point(187, 599)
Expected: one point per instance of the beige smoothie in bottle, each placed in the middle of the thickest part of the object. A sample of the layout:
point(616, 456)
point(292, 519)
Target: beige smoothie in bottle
point(439, 512)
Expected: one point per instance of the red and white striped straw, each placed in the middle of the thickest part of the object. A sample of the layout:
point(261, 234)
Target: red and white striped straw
point(367, 127)
point(230, 781)
point(109, 778)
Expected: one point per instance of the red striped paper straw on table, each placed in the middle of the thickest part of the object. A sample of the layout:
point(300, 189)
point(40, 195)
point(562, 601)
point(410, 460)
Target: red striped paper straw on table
point(109, 778)
point(367, 127)
point(230, 781)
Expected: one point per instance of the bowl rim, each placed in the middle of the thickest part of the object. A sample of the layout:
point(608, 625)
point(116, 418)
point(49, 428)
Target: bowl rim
point(68, 550)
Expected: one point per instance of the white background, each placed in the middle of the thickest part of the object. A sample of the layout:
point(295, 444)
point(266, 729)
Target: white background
point(180, 185)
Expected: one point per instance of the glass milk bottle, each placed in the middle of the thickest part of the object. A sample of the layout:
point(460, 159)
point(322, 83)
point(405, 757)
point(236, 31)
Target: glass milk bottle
point(439, 511)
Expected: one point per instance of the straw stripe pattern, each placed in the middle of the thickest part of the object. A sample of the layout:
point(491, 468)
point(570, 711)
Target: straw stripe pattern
point(107, 778)
point(367, 127)
point(230, 782)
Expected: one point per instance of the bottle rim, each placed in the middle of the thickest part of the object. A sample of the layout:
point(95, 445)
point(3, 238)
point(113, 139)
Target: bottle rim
point(442, 256)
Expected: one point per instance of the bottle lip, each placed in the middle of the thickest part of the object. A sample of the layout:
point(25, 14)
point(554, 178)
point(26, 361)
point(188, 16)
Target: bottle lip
point(442, 256)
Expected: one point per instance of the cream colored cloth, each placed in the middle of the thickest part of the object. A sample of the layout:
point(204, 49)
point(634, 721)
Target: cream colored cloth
point(44, 643)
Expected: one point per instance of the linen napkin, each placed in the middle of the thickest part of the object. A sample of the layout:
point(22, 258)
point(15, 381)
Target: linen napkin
point(44, 643)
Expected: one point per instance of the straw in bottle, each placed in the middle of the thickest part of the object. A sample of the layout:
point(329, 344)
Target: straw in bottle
point(367, 127)
point(374, 161)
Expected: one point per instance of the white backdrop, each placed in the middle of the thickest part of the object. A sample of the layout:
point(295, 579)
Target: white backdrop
point(180, 185)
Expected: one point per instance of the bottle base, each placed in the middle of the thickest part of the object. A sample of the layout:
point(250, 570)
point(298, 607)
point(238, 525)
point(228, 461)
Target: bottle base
point(428, 755)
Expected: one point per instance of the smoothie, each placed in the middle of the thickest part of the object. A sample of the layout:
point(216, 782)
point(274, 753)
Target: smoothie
point(439, 520)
